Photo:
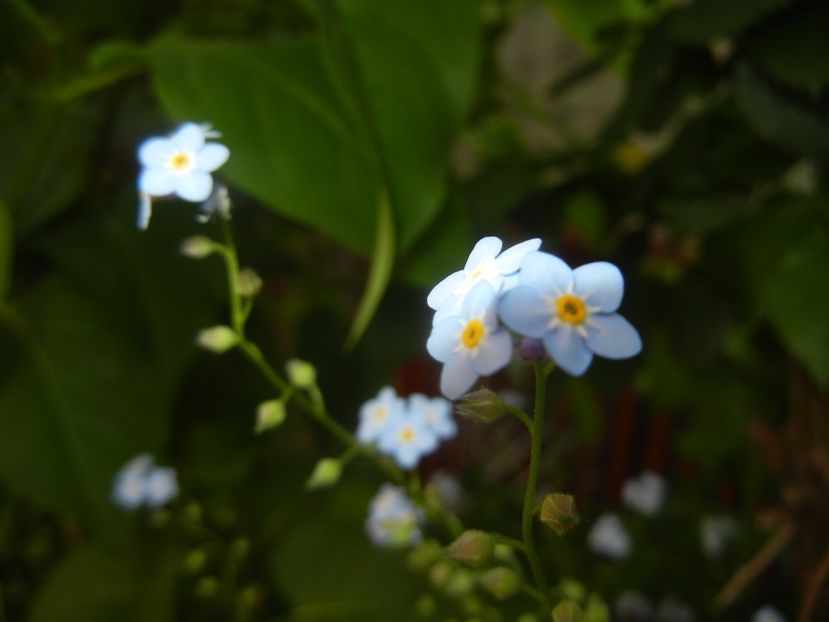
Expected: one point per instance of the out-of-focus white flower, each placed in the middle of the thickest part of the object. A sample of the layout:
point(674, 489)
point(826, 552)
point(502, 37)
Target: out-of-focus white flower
point(377, 414)
point(632, 606)
point(673, 610)
point(141, 483)
point(715, 532)
point(610, 538)
point(645, 494)
point(448, 489)
point(767, 614)
point(393, 519)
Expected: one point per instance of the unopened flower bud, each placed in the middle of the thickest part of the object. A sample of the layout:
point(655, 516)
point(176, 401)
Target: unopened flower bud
point(501, 582)
point(473, 548)
point(194, 561)
point(197, 247)
point(269, 415)
point(301, 373)
point(217, 339)
point(531, 350)
point(249, 283)
point(568, 611)
point(558, 512)
point(425, 555)
point(325, 473)
point(481, 405)
point(441, 573)
point(597, 610)
point(207, 587)
point(461, 583)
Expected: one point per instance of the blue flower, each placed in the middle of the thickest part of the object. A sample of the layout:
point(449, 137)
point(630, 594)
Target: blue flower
point(484, 264)
point(378, 414)
point(767, 613)
point(470, 343)
point(393, 519)
point(437, 412)
point(140, 483)
point(407, 438)
point(179, 164)
point(572, 311)
point(610, 538)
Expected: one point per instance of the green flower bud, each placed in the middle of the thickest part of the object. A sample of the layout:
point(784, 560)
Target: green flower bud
point(473, 548)
point(301, 374)
point(558, 512)
point(269, 415)
point(197, 247)
point(501, 582)
point(567, 611)
point(207, 587)
point(573, 590)
point(217, 339)
point(249, 283)
point(441, 573)
point(425, 555)
point(482, 405)
point(194, 561)
point(325, 473)
point(461, 583)
point(597, 610)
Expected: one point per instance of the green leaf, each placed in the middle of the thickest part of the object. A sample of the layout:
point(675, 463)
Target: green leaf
point(96, 587)
point(6, 251)
point(780, 118)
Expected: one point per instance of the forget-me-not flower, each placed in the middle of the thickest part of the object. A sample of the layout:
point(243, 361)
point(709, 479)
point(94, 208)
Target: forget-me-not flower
point(715, 532)
point(609, 537)
point(767, 613)
point(437, 413)
point(572, 311)
point(484, 264)
point(407, 438)
point(179, 164)
point(141, 483)
point(393, 518)
point(645, 494)
point(378, 413)
point(470, 343)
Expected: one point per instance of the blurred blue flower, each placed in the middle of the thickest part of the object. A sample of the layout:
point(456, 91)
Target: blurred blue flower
point(437, 413)
point(609, 537)
point(646, 493)
point(407, 438)
point(377, 414)
point(393, 519)
point(767, 614)
point(572, 311)
point(484, 264)
point(471, 343)
point(179, 164)
point(140, 483)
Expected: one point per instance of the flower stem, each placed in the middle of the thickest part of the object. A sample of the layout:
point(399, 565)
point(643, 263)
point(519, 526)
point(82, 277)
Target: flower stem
point(541, 375)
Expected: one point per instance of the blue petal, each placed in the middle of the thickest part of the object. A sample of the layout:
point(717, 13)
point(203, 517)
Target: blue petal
point(485, 250)
point(568, 349)
point(156, 182)
point(189, 136)
point(145, 211)
point(510, 260)
point(457, 377)
point(211, 157)
point(525, 311)
point(493, 354)
point(195, 186)
point(442, 292)
point(600, 284)
point(443, 339)
point(478, 301)
point(612, 336)
point(154, 152)
point(546, 273)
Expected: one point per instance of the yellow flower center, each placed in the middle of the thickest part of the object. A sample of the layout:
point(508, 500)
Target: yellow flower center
point(181, 161)
point(379, 413)
point(571, 309)
point(407, 435)
point(473, 333)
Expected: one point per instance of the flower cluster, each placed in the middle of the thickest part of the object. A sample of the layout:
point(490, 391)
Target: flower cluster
point(393, 519)
point(406, 430)
point(181, 164)
point(535, 294)
point(141, 483)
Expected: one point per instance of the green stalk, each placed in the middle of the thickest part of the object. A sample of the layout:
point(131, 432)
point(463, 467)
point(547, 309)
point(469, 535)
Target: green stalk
point(532, 482)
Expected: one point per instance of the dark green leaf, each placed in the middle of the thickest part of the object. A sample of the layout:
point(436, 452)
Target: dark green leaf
point(6, 251)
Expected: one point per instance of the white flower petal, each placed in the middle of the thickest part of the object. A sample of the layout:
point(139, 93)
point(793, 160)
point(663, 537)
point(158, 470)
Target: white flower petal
point(600, 284)
point(546, 273)
point(188, 136)
point(444, 338)
point(568, 349)
point(612, 336)
point(211, 157)
point(485, 250)
point(154, 152)
point(195, 186)
point(156, 182)
point(479, 302)
point(494, 353)
point(145, 210)
point(442, 292)
point(457, 377)
point(510, 260)
point(525, 311)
